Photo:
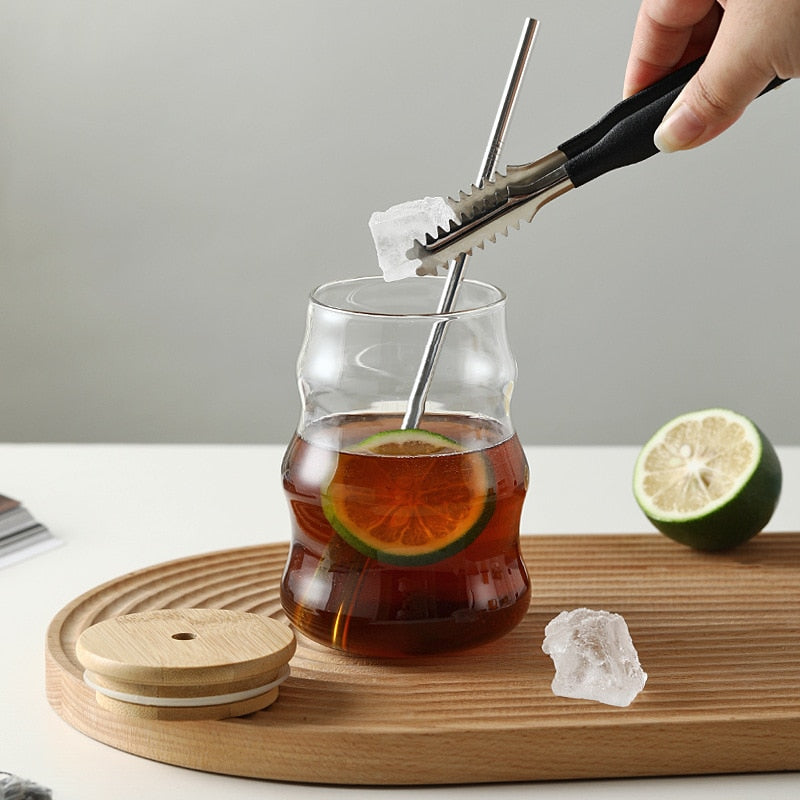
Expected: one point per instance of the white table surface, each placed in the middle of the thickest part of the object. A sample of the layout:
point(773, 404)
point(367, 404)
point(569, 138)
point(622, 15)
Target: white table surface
point(121, 507)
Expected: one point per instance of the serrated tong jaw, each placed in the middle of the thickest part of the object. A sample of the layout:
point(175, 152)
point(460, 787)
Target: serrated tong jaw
point(501, 203)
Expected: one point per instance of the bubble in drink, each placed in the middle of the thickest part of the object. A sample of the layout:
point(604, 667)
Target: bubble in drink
point(594, 657)
point(395, 230)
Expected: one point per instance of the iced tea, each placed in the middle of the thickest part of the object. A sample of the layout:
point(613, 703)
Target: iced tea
point(363, 601)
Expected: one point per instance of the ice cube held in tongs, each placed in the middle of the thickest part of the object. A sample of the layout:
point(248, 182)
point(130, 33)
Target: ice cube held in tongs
point(622, 137)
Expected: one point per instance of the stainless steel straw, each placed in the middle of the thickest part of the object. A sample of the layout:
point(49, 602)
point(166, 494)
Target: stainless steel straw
point(422, 381)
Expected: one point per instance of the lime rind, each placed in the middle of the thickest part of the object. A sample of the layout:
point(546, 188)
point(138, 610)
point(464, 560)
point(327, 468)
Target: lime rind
point(737, 514)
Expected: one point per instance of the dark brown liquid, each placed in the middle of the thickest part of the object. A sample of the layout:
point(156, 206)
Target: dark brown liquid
point(341, 598)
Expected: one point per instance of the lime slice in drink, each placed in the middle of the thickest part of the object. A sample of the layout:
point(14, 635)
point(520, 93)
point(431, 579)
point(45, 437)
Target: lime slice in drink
point(409, 497)
point(414, 442)
point(709, 479)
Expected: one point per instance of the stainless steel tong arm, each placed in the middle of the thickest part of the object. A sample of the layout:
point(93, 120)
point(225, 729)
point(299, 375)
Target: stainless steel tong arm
point(622, 137)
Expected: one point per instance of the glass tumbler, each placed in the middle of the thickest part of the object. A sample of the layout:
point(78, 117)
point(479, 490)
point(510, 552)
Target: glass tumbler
point(405, 538)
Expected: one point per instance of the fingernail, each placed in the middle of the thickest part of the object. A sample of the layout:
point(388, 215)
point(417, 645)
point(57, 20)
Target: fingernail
point(679, 128)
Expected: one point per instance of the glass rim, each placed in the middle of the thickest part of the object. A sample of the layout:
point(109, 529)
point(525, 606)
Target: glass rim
point(498, 300)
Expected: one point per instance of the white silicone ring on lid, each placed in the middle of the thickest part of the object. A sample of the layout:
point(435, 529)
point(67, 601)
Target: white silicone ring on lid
point(186, 702)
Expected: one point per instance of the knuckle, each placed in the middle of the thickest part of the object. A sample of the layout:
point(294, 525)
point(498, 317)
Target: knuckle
point(713, 100)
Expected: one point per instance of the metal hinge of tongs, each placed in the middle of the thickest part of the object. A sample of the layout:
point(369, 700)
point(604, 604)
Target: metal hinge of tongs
point(622, 137)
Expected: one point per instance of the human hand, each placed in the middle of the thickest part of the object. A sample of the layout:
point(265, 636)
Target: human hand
point(747, 43)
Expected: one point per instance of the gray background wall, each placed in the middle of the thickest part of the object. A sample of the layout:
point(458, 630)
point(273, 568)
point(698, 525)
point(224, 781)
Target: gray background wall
point(175, 176)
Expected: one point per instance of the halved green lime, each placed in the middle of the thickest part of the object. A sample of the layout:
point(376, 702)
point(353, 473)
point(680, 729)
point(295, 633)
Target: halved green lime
point(709, 479)
point(410, 497)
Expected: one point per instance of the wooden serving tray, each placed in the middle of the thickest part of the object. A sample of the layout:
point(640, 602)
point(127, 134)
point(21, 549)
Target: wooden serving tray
point(719, 636)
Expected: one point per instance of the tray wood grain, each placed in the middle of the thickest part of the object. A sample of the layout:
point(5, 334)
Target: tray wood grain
point(719, 636)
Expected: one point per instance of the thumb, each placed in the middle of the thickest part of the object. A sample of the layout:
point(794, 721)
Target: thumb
point(723, 87)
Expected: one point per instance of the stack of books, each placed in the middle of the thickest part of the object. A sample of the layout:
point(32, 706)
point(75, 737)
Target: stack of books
point(20, 534)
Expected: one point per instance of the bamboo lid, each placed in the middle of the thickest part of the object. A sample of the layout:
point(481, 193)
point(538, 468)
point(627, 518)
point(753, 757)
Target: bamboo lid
point(175, 664)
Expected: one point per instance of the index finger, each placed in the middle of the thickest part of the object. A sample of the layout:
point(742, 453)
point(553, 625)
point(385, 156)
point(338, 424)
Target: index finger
point(668, 34)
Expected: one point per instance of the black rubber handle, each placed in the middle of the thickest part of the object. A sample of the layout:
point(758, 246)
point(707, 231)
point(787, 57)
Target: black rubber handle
point(624, 136)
